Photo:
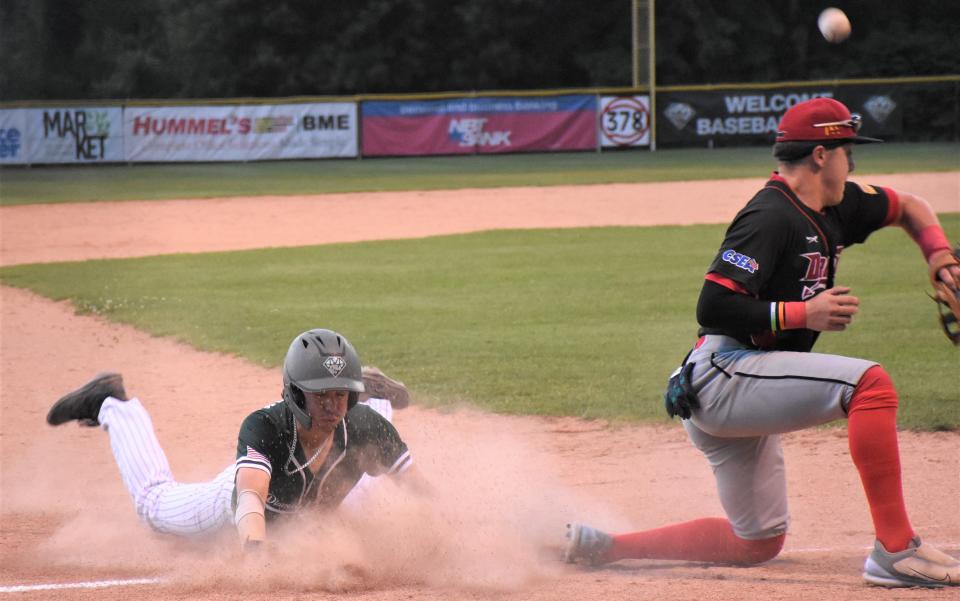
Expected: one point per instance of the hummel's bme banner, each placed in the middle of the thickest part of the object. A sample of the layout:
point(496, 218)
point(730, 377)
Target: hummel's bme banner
point(240, 132)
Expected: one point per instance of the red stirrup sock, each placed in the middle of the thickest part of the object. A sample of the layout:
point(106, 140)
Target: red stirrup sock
point(709, 539)
point(872, 434)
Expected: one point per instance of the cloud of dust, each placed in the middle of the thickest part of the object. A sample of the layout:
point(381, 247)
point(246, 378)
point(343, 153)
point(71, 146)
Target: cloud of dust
point(494, 520)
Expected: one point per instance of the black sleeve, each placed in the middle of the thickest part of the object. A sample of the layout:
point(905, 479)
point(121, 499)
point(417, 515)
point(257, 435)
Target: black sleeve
point(257, 442)
point(384, 452)
point(752, 246)
point(864, 210)
point(722, 308)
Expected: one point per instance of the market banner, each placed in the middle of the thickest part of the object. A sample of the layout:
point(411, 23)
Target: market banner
point(61, 135)
point(486, 125)
point(732, 117)
point(624, 121)
point(240, 132)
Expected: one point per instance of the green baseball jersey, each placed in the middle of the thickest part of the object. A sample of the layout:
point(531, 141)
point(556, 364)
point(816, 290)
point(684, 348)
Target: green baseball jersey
point(363, 443)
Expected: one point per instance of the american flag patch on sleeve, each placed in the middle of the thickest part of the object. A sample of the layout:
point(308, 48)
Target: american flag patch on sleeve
point(256, 460)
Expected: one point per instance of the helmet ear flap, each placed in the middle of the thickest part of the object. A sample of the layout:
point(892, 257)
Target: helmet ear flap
point(298, 397)
point(296, 402)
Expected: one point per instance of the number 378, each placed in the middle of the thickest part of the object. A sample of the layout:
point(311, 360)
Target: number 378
point(625, 121)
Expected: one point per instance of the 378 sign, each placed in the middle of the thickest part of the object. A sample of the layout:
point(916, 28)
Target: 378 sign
point(624, 121)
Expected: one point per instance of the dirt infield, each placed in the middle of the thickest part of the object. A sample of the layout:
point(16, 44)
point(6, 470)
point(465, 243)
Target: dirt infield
point(505, 485)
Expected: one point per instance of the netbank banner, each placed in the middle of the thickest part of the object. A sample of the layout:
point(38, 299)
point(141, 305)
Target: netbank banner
point(751, 116)
point(61, 135)
point(240, 132)
point(478, 125)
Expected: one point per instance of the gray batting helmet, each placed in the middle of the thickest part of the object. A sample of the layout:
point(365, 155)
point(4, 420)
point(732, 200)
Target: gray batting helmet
point(319, 360)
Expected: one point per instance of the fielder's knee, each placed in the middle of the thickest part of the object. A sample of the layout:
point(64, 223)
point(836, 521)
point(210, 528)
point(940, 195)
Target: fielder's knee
point(757, 551)
point(875, 390)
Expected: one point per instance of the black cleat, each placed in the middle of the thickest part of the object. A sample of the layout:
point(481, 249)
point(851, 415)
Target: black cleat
point(84, 403)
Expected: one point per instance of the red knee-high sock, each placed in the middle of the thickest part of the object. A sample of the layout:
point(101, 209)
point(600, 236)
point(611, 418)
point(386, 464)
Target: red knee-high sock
point(708, 539)
point(872, 433)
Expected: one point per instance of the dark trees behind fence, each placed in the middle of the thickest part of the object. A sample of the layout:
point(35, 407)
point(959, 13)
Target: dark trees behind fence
point(117, 49)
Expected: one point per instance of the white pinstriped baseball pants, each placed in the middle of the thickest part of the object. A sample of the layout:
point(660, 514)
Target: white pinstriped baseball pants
point(165, 505)
point(174, 507)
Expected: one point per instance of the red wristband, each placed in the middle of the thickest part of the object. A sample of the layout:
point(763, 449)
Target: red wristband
point(931, 239)
point(793, 315)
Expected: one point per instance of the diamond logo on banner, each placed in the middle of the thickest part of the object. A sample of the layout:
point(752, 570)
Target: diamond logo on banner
point(679, 114)
point(880, 107)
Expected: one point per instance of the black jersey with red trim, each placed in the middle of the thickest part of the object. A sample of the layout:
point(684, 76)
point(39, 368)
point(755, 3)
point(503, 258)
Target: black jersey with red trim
point(363, 443)
point(778, 249)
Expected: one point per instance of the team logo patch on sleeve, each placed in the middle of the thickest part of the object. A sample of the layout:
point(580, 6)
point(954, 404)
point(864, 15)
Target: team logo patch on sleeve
point(866, 188)
point(740, 260)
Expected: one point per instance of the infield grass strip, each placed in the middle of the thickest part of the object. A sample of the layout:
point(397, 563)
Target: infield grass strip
point(582, 322)
point(51, 184)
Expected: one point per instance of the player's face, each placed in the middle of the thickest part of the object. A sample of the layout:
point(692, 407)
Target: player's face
point(327, 408)
point(837, 166)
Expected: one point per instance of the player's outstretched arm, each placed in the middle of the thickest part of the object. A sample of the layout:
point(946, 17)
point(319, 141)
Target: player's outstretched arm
point(918, 219)
point(252, 488)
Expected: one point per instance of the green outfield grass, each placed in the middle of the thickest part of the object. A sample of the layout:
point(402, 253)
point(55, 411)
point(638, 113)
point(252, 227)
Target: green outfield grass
point(147, 182)
point(581, 322)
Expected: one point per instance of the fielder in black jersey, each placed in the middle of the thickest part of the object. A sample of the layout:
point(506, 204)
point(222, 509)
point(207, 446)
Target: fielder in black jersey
point(769, 292)
point(776, 229)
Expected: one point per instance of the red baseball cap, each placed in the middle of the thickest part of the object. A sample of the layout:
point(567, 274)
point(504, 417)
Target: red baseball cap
point(821, 120)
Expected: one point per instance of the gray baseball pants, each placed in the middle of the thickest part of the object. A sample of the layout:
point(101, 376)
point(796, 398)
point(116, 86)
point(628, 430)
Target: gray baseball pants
point(747, 399)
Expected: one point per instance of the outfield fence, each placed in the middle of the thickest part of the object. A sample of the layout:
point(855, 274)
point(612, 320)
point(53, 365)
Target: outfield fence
point(457, 123)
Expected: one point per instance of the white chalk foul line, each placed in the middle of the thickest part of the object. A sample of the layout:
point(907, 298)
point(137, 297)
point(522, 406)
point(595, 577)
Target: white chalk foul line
point(788, 551)
point(26, 588)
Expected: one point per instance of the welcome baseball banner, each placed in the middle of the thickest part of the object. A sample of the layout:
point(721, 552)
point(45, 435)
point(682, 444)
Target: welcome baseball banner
point(240, 132)
point(738, 116)
point(485, 125)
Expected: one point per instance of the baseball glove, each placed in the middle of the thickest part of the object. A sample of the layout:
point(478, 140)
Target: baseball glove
point(947, 299)
point(680, 398)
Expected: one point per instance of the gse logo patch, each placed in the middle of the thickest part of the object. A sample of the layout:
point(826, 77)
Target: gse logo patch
point(742, 261)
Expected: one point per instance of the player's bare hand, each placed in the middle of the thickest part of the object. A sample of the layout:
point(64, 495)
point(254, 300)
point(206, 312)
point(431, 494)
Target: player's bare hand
point(831, 310)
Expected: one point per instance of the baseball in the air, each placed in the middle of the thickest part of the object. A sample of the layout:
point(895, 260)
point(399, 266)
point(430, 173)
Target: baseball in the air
point(834, 25)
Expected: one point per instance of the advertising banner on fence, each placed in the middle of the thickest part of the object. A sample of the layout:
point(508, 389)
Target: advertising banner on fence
point(241, 132)
point(478, 125)
point(13, 128)
point(62, 135)
point(624, 121)
point(751, 116)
